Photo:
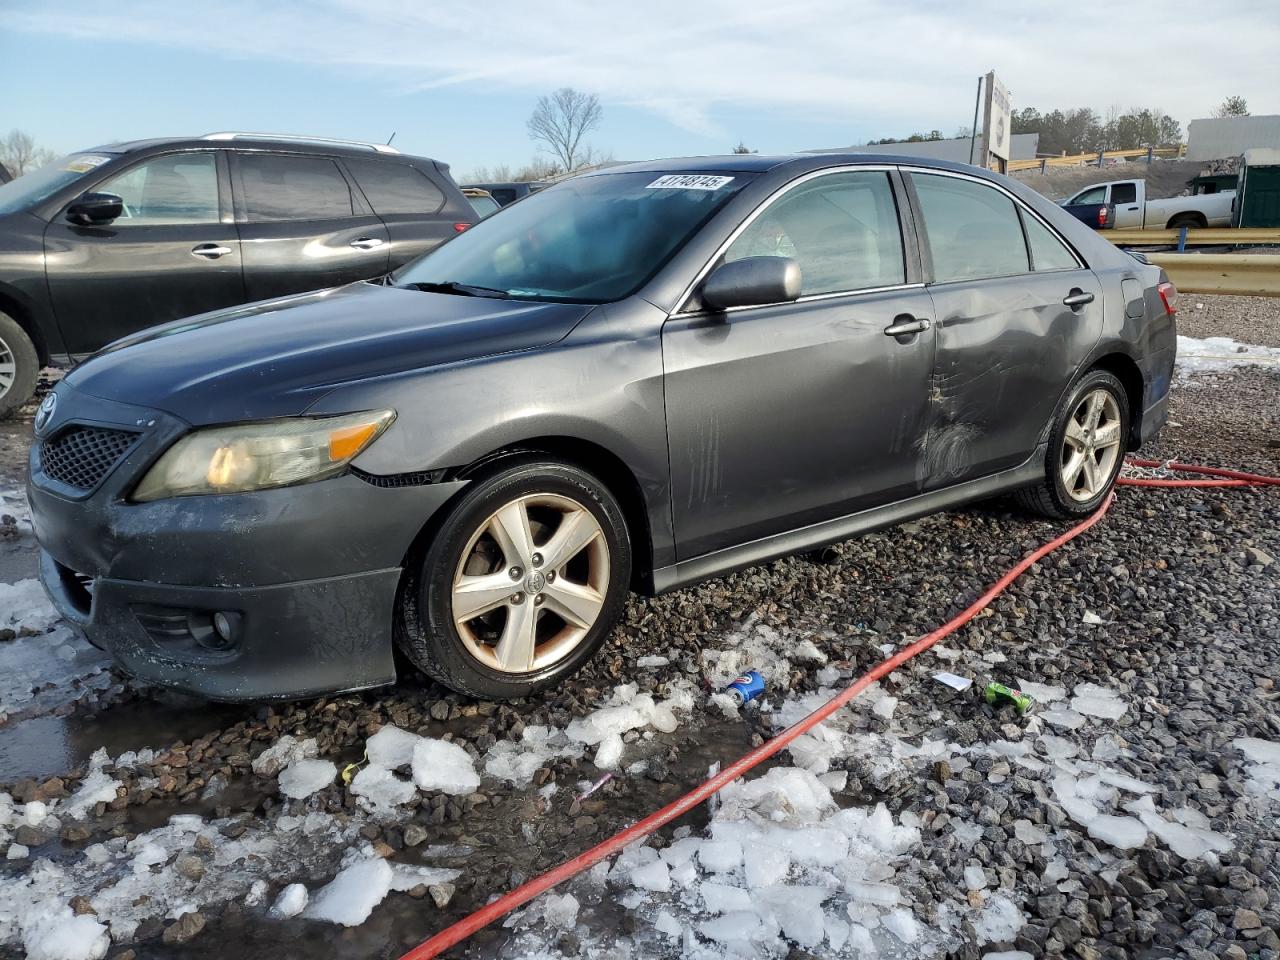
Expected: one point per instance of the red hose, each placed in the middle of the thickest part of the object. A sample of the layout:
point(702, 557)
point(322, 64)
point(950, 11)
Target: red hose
point(527, 891)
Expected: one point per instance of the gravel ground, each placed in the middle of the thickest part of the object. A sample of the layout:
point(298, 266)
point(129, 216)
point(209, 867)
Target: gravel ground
point(1171, 604)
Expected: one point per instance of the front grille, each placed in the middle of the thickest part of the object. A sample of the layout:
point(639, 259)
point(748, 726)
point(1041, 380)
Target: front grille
point(81, 456)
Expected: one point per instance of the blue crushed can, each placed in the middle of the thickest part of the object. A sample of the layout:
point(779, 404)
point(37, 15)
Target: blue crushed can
point(746, 688)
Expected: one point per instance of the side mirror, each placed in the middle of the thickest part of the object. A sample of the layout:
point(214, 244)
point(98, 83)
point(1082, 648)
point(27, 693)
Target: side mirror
point(752, 281)
point(95, 209)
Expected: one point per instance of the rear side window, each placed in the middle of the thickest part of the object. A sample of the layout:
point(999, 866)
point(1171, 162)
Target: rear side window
point(278, 187)
point(841, 228)
point(504, 195)
point(1124, 193)
point(1047, 251)
point(395, 187)
point(972, 229)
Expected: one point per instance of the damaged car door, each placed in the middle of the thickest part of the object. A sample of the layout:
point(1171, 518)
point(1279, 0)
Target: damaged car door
point(1017, 314)
point(785, 414)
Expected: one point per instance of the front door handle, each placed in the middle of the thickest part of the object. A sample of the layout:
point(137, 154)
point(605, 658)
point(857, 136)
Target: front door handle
point(367, 243)
point(209, 251)
point(1077, 298)
point(905, 326)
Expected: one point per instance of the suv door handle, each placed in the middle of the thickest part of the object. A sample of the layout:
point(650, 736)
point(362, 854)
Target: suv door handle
point(906, 325)
point(367, 243)
point(1077, 298)
point(209, 251)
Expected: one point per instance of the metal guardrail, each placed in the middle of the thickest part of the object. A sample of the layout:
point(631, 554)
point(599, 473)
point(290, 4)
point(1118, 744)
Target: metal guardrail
point(1242, 274)
point(1195, 237)
point(1098, 157)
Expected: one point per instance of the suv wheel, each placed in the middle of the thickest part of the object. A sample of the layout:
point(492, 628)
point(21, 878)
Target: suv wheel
point(520, 584)
point(1086, 450)
point(19, 366)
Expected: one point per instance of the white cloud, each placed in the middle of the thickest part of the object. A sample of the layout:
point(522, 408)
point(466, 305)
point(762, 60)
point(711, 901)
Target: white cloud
point(877, 64)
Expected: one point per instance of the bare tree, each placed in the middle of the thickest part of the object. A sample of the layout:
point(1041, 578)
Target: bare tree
point(19, 153)
point(1232, 107)
point(561, 120)
point(743, 148)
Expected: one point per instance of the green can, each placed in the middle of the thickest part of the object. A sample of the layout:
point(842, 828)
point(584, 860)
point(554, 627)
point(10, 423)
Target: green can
point(997, 694)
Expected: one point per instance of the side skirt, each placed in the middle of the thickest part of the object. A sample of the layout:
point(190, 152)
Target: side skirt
point(720, 562)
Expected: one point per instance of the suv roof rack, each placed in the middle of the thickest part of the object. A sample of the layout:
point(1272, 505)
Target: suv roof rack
point(288, 137)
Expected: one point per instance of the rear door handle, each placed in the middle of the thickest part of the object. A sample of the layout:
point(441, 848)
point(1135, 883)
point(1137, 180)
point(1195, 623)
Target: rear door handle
point(1077, 298)
point(905, 326)
point(367, 243)
point(209, 251)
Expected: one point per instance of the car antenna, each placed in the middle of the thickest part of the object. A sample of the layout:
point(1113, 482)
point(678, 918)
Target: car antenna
point(390, 138)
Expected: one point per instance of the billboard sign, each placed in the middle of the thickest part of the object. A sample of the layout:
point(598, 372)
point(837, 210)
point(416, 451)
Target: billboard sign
point(997, 125)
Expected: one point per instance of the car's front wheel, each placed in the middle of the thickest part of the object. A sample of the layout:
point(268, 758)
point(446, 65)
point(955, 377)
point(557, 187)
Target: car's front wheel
point(520, 583)
point(1086, 449)
point(19, 366)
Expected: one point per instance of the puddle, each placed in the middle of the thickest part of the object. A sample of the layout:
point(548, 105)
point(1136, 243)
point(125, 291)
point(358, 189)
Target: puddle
point(50, 746)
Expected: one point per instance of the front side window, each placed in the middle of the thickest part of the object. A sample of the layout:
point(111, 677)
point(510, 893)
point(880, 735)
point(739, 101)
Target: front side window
point(173, 189)
point(841, 228)
point(1096, 195)
point(281, 187)
point(592, 239)
point(1047, 251)
point(392, 187)
point(972, 229)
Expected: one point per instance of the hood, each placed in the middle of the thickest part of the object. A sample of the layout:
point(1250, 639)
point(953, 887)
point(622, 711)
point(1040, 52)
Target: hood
point(276, 358)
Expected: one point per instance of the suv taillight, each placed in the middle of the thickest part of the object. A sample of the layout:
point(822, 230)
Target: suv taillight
point(1102, 216)
point(1169, 297)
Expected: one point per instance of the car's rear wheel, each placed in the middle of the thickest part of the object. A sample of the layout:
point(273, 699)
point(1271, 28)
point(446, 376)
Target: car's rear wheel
point(1086, 449)
point(19, 366)
point(520, 583)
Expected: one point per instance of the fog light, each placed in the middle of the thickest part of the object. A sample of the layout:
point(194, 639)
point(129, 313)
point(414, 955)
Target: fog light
point(227, 625)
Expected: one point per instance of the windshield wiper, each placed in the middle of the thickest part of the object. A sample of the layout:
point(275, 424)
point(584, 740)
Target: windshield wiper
point(457, 289)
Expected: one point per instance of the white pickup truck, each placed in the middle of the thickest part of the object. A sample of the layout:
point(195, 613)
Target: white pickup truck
point(1135, 211)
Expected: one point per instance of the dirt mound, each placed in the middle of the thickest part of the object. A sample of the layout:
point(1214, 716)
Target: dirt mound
point(1165, 178)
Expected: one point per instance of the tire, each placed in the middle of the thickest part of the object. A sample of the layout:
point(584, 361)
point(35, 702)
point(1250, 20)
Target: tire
point(524, 635)
point(1067, 492)
point(19, 366)
point(1186, 220)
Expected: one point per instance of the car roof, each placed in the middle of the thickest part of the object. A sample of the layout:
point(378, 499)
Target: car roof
point(756, 163)
point(258, 142)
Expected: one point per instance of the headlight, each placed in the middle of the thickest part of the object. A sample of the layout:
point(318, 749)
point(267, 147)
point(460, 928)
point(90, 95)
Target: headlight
point(254, 456)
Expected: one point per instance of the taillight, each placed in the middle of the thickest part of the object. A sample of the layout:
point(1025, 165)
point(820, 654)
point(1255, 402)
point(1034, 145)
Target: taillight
point(1169, 297)
point(1102, 216)
point(459, 227)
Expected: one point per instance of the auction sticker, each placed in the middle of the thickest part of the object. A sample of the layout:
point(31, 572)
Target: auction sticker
point(689, 181)
point(84, 163)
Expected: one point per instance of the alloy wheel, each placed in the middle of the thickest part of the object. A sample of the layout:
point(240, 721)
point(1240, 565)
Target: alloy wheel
point(531, 582)
point(8, 368)
point(1091, 445)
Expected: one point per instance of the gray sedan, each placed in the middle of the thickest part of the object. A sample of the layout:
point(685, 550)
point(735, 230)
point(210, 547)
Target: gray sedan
point(635, 379)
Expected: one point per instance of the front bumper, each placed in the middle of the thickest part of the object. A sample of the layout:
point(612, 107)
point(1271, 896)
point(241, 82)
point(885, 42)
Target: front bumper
point(307, 574)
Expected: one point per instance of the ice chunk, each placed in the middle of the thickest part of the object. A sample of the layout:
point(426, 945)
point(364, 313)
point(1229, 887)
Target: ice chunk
point(902, 924)
point(767, 866)
point(17, 851)
point(666, 923)
point(381, 790)
point(784, 793)
point(440, 765)
point(560, 910)
point(720, 856)
point(538, 745)
point(302, 778)
point(1057, 748)
point(1125, 782)
point(798, 910)
point(1008, 955)
point(599, 724)
point(1000, 920)
point(1095, 701)
point(975, 878)
point(609, 752)
point(282, 753)
point(350, 897)
point(96, 788)
point(1107, 748)
point(652, 661)
point(663, 718)
point(1042, 692)
point(880, 894)
point(731, 927)
point(1062, 717)
point(391, 747)
point(811, 846)
point(1124, 833)
point(291, 902)
point(1055, 870)
point(410, 875)
point(885, 706)
point(722, 898)
point(652, 876)
point(1028, 832)
point(61, 935)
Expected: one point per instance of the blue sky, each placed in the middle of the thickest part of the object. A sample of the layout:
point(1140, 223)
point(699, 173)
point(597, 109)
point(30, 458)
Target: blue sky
point(457, 81)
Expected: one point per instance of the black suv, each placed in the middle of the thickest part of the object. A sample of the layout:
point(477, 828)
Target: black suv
point(105, 242)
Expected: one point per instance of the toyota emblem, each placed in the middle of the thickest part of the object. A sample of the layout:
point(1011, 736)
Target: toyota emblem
point(45, 413)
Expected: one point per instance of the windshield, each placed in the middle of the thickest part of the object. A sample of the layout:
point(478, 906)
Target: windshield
point(39, 185)
point(588, 240)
